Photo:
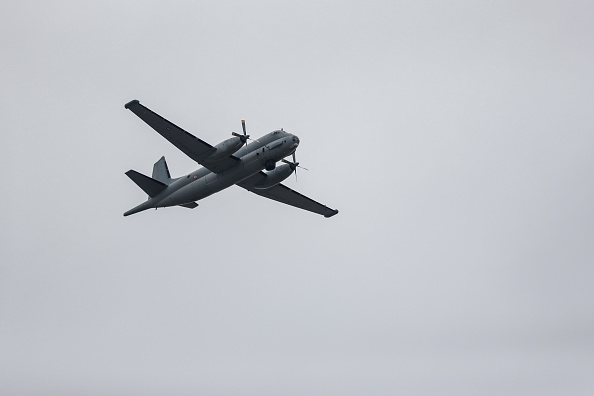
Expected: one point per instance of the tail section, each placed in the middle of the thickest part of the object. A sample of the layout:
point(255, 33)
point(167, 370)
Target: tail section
point(150, 186)
point(143, 206)
point(161, 171)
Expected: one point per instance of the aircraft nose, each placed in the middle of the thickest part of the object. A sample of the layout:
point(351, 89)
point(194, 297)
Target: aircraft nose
point(295, 140)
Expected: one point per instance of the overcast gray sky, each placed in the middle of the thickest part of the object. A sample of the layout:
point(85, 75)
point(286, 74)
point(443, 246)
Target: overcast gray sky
point(455, 138)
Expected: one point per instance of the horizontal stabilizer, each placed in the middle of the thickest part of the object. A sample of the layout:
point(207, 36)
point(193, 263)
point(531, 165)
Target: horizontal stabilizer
point(150, 186)
point(189, 205)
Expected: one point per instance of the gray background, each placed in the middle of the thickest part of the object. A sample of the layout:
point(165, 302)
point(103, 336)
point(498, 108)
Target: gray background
point(454, 137)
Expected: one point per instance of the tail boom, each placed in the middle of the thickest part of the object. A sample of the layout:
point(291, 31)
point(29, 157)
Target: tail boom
point(143, 206)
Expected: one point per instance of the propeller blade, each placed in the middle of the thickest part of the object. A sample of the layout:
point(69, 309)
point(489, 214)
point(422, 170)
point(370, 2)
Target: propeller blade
point(297, 163)
point(245, 137)
point(294, 164)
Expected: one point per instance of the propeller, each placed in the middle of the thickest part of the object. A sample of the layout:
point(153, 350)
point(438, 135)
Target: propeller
point(294, 165)
point(245, 137)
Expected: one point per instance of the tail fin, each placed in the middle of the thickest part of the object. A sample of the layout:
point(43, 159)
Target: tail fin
point(150, 186)
point(161, 171)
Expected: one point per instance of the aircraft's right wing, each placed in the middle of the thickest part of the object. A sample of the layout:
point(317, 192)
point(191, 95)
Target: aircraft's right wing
point(284, 194)
point(193, 147)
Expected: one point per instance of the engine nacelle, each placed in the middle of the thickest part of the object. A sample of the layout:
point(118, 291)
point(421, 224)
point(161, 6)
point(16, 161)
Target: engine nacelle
point(274, 177)
point(226, 148)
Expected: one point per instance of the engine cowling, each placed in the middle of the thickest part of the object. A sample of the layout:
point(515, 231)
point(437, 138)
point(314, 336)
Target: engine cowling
point(226, 148)
point(274, 177)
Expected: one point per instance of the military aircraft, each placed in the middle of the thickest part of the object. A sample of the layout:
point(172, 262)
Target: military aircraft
point(230, 162)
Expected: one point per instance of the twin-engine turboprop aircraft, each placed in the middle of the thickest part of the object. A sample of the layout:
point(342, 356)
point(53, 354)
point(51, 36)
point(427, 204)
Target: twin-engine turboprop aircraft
point(231, 162)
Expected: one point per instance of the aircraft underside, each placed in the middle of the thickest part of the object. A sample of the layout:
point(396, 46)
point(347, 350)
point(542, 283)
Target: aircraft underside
point(230, 162)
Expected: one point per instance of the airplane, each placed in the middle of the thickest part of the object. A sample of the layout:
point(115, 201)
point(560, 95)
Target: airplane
point(231, 162)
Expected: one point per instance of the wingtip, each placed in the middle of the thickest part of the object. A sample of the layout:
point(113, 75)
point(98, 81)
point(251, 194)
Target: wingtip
point(331, 214)
point(130, 103)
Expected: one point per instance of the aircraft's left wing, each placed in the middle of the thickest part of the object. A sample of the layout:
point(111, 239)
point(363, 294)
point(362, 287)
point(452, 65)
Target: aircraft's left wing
point(193, 147)
point(284, 194)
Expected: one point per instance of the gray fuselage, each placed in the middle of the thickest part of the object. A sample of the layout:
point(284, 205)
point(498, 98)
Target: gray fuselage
point(202, 182)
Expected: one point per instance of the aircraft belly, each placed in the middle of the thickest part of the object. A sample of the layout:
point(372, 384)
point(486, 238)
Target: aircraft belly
point(212, 183)
point(188, 193)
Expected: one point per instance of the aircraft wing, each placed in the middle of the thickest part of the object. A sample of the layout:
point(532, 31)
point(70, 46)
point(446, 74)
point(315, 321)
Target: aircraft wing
point(284, 194)
point(193, 147)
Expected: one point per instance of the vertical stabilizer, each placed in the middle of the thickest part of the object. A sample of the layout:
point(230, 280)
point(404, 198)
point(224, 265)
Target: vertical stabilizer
point(161, 171)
